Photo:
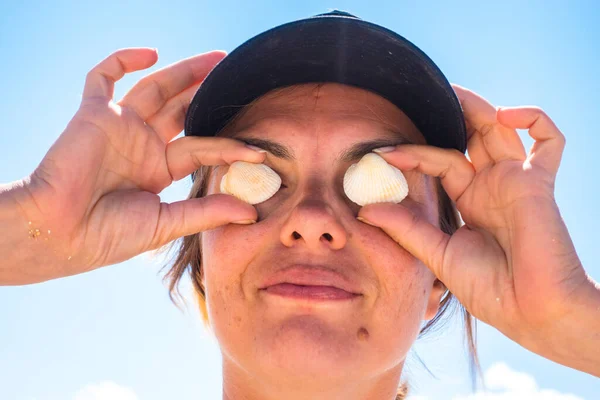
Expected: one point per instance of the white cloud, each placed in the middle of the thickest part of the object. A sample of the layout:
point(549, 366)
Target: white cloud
point(105, 391)
point(500, 376)
point(507, 384)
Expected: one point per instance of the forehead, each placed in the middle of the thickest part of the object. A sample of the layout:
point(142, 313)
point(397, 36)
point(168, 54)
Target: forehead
point(330, 114)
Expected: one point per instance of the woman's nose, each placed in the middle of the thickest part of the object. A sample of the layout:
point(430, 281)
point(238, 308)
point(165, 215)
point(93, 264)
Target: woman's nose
point(313, 224)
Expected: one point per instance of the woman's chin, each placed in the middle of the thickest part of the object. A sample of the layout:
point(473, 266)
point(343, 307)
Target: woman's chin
point(306, 347)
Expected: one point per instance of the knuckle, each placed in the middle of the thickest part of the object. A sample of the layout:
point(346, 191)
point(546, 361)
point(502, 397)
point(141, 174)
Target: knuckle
point(194, 160)
point(459, 160)
point(486, 129)
point(456, 154)
point(98, 68)
point(182, 107)
point(160, 90)
point(112, 56)
point(561, 137)
point(117, 52)
point(434, 257)
point(92, 76)
point(540, 113)
point(223, 155)
point(538, 110)
point(543, 115)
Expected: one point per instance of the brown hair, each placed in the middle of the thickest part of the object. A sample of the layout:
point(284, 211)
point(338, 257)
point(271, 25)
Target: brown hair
point(188, 258)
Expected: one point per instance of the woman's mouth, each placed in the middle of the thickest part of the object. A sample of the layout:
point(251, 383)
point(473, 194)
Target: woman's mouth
point(309, 292)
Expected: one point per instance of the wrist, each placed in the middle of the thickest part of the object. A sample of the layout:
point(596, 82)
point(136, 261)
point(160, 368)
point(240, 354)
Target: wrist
point(574, 340)
point(23, 242)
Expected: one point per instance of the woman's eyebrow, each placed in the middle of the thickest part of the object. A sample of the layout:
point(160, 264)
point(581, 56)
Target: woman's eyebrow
point(353, 153)
point(358, 150)
point(277, 149)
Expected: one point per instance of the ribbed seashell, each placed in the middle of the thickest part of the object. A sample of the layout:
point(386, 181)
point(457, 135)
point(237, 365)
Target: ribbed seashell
point(249, 182)
point(373, 180)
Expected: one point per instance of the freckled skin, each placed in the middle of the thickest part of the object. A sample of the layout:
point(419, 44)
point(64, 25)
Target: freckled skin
point(272, 348)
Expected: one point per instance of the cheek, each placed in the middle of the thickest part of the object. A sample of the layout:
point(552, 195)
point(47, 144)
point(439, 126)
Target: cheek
point(405, 282)
point(398, 307)
point(226, 253)
point(403, 278)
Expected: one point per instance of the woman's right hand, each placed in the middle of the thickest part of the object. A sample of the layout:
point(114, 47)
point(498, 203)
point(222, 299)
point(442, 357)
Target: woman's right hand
point(94, 197)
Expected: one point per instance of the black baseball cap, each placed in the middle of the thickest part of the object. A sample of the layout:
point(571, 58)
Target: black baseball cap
point(331, 47)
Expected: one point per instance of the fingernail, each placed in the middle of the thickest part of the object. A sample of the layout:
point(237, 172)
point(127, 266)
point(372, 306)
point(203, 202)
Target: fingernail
point(255, 148)
point(361, 219)
point(245, 222)
point(156, 50)
point(385, 149)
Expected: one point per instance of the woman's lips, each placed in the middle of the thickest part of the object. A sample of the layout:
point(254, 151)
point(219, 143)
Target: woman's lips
point(309, 292)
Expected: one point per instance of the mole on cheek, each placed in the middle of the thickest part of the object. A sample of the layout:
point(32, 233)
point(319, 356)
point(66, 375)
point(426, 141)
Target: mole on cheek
point(362, 334)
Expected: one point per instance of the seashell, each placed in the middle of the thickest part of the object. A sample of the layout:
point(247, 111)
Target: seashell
point(249, 182)
point(373, 180)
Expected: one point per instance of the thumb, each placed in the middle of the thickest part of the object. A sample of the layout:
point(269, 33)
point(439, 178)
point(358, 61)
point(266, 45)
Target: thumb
point(191, 216)
point(411, 231)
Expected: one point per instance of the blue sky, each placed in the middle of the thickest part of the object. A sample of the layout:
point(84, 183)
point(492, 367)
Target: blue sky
point(112, 333)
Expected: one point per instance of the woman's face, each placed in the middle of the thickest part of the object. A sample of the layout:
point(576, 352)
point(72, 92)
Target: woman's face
point(308, 231)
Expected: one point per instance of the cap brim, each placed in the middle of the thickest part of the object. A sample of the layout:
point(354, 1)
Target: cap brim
point(331, 49)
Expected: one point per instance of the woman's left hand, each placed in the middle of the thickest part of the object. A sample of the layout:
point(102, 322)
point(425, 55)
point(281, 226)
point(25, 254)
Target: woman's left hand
point(513, 264)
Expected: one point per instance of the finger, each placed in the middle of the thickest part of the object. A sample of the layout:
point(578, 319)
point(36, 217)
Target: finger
point(452, 167)
point(100, 81)
point(411, 231)
point(500, 142)
point(479, 156)
point(185, 155)
point(169, 121)
point(191, 216)
point(151, 93)
point(549, 140)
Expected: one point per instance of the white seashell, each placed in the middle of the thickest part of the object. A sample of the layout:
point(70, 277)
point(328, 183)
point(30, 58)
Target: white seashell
point(249, 182)
point(373, 180)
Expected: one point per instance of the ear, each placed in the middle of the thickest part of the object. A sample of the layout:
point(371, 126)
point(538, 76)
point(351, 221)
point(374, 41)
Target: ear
point(435, 297)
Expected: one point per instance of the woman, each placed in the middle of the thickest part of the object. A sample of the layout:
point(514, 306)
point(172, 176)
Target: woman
point(310, 295)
